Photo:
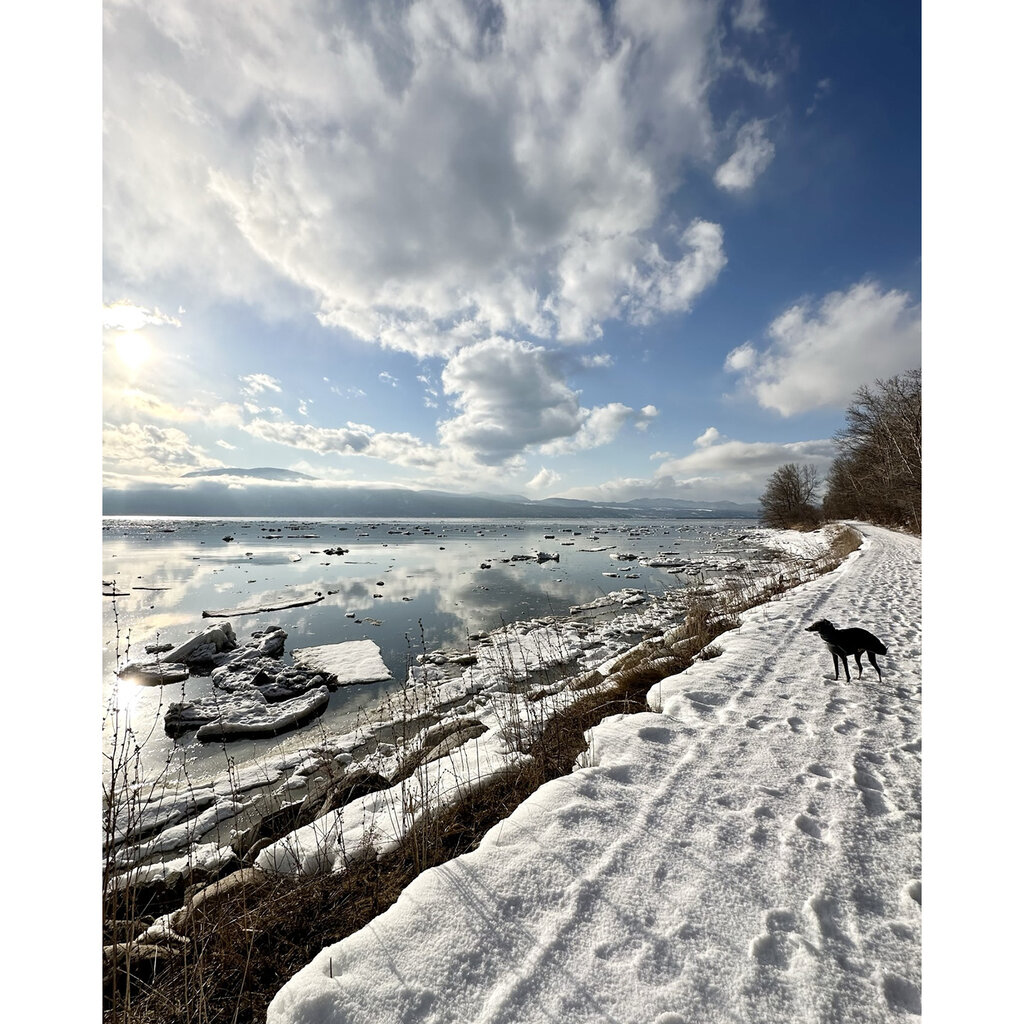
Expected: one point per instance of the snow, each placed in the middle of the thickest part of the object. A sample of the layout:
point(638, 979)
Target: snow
point(356, 661)
point(253, 718)
point(748, 850)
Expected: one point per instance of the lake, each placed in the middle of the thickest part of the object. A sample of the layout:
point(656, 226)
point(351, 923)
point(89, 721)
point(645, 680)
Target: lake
point(410, 585)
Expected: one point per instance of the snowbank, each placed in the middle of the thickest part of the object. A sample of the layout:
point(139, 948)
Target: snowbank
point(750, 853)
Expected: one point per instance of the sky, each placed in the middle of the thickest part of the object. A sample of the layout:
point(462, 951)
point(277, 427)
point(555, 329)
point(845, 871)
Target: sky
point(591, 250)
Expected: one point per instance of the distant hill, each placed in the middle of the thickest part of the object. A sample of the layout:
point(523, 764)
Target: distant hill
point(210, 496)
point(265, 473)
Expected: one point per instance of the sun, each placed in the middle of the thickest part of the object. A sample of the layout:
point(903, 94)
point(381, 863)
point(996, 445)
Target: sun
point(133, 349)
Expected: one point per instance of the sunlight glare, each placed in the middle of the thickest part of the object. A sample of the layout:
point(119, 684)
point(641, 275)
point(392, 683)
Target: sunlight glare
point(132, 348)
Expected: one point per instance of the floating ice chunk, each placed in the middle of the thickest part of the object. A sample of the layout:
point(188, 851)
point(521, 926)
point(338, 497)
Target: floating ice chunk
point(355, 661)
point(262, 719)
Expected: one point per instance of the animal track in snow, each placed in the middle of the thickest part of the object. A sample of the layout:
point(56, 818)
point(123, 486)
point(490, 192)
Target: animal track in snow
point(808, 825)
point(773, 948)
point(847, 725)
point(797, 724)
point(758, 721)
point(820, 769)
point(655, 734)
point(871, 792)
point(828, 914)
point(707, 698)
point(901, 994)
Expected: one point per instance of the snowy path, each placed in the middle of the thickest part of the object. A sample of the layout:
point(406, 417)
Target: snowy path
point(750, 854)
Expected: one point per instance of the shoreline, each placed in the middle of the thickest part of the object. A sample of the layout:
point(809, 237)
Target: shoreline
point(180, 835)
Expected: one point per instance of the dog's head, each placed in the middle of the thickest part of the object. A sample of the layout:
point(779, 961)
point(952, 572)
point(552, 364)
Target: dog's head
point(817, 627)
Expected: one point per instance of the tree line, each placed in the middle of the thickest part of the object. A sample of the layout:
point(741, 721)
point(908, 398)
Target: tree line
point(876, 474)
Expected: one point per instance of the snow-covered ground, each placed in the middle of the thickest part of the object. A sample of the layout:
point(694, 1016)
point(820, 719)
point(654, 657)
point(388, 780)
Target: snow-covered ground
point(750, 851)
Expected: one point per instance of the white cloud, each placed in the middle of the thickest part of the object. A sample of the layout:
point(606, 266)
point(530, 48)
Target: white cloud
point(401, 449)
point(256, 383)
point(714, 471)
point(127, 316)
point(135, 404)
point(817, 358)
point(753, 153)
point(709, 437)
point(425, 175)
point(225, 444)
point(821, 90)
point(749, 15)
point(138, 449)
point(741, 358)
point(510, 395)
point(600, 426)
point(385, 378)
point(544, 480)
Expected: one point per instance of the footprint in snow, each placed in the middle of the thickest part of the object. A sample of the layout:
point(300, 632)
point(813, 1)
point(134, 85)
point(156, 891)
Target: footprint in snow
point(808, 825)
point(846, 726)
point(655, 734)
point(797, 724)
point(758, 722)
point(871, 793)
point(901, 994)
point(828, 914)
point(820, 770)
point(774, 947)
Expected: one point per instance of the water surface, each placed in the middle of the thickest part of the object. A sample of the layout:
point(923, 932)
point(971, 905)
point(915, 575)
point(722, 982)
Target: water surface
point(409, 585)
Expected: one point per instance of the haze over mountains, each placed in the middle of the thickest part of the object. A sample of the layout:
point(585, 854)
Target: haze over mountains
point(285, 493)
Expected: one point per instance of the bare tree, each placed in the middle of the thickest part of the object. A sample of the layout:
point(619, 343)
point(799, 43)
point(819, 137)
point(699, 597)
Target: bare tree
point(877, 474)
point(790, 496)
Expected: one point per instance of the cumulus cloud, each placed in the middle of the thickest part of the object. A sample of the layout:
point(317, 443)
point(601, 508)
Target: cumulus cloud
point(753, 153)
point(426, 175)
point(133, 404)
point(138, 449)
point(510, 394)
point(600, 426)
point(543, 481)
point(402, 449)
point(513, 395)
point(714, 471)
point(710, 436)
point(818, 356)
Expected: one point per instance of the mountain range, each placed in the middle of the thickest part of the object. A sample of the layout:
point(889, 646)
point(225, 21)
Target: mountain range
point(208, 494)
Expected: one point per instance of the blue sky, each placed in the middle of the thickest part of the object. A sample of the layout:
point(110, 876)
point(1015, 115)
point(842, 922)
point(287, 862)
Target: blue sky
point(594, 250)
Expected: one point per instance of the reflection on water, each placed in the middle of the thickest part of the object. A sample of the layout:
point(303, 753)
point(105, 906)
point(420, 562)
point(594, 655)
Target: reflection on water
point(408, 585)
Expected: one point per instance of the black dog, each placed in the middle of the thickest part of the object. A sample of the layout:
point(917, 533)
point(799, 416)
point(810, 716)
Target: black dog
point(844, 642)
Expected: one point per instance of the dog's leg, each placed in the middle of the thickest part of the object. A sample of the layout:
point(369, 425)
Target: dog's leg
point(860, 670)
point(846, 669)
point(835, 662)
point(871, 658)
